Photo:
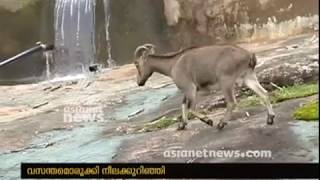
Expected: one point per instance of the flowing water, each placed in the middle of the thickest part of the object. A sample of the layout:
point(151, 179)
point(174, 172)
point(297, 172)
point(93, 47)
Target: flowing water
point(84, 32)
point(110, 61)
point(74, 26)
point(49, 60)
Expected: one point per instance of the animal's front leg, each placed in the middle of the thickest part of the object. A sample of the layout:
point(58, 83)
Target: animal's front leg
point(227, 116)
point(227, 88)
point(183, 123)
point(191, 100)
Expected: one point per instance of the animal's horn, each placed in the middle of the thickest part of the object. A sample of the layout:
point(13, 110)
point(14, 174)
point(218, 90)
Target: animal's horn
point(139, 50)
point(148, 45)
point(151, 47)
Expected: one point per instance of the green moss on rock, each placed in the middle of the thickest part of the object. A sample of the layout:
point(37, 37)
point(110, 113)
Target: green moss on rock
point(308, 112)
point(296, 91)
point(286, 93)
point(162, 123)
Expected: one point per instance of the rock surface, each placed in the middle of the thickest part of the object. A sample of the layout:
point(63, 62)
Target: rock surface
point(43, 135)
point(208, 21)
point(243, 134)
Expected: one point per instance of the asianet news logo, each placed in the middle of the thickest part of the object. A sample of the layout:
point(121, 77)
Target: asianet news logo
point(83, 113)
point(204, 153)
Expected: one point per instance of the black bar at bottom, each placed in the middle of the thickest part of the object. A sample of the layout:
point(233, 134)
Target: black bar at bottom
point(168, 170)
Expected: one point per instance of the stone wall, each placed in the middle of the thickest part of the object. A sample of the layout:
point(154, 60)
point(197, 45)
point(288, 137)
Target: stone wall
point(135, 22)
point(208, 21)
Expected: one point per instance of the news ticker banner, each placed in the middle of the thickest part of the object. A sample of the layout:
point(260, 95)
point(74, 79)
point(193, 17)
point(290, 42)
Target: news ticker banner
point(168, 170)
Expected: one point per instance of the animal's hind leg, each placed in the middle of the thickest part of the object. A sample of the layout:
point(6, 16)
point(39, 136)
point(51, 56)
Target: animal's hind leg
point(252, 82)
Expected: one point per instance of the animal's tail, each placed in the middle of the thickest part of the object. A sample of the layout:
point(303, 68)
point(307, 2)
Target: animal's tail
point(252, 61)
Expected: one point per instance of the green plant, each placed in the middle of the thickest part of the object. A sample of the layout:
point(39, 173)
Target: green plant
point(285, 93)
point(308, 112)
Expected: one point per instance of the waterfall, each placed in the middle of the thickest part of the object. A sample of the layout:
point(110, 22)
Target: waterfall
point(111, 63)
point(74, 36)
point(49, 60)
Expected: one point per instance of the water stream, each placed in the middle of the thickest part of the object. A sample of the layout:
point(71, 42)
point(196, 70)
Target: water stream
point(49, 60)
point(74, 26)
point(110, 62)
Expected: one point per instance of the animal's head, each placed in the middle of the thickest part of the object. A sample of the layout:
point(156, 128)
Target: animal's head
point(141, 62)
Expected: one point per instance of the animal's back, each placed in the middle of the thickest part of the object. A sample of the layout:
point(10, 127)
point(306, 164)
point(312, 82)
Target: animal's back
point(204, 65)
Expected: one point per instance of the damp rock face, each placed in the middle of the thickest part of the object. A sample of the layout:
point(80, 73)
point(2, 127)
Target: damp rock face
point(23, 23)
point(207, 21)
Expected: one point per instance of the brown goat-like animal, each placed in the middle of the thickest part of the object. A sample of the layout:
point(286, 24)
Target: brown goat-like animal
point(196, 68)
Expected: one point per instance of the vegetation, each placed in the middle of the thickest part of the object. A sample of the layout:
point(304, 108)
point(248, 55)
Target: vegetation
point(308, 112)
point(282, 94)
point(162, 123)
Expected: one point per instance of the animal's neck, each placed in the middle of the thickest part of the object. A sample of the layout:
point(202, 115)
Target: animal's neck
point(161, 65)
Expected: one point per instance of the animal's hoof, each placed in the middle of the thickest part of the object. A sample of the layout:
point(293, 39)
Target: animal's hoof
point(181, 126)
point(270, 119)
point(221, 125)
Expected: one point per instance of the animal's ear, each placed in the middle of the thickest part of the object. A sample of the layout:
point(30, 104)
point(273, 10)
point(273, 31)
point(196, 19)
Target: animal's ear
point(145, 55)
